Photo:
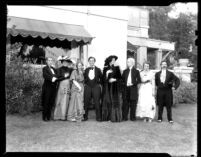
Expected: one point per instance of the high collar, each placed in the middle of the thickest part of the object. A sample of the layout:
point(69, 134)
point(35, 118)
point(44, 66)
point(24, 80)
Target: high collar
point(130, 68)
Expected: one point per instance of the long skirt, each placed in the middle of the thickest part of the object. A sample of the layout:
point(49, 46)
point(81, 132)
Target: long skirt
point(62, 100)
point(111, 106)
point(146, 106)
point(76, 105)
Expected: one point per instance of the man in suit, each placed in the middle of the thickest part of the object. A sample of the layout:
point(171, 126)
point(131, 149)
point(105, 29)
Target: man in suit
point(48, 89)
point(92, 89)
point(130, 78)
point(165, 81)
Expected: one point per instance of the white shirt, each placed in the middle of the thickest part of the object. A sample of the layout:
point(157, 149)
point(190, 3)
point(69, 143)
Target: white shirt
point(52, 70)
point(54, 78)
point(129, 81)
point(91, 74)
point(163, 76)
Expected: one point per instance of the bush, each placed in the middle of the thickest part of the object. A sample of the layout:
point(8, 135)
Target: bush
point(186, 93)
point(23, 88)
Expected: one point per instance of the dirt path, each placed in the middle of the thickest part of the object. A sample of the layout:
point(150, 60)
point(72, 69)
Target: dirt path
point(30, 133)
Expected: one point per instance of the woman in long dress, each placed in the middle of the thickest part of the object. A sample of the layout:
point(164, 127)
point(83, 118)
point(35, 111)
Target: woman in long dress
point(111, 108)
point(146, 106)
point(62, 98)
point(76, 106)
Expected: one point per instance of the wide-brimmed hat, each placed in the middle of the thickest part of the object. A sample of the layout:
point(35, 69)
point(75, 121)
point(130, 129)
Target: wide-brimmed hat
point(64, 58)
point(109, 59)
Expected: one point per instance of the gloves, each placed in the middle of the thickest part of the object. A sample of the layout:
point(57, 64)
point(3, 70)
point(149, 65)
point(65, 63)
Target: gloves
point(54, 79)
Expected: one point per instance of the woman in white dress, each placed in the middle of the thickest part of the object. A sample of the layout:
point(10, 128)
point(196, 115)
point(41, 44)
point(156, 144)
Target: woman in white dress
point(146, 106)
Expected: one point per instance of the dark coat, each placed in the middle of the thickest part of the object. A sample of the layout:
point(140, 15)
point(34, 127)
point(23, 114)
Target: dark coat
point(111, 109)
point(171, 80)
point(49, 87)
point(48, 75)
point(98, 76)
point(61, 71)
point(135, 79)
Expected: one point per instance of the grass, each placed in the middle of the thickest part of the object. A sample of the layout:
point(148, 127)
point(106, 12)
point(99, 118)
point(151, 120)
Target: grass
point(31, 134)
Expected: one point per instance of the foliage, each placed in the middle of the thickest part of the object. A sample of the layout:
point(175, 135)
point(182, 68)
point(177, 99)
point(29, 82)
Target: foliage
point(186, 93)
point(23, 88)
point(158, 19)
point(180, 30)
point(35, 55)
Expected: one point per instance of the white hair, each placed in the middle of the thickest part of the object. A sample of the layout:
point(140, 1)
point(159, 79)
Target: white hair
point(131, 60)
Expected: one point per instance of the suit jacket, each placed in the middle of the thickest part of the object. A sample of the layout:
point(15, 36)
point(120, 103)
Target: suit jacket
point(171, 80)
point(135, 79)
point(98, 76)
point(48, 75)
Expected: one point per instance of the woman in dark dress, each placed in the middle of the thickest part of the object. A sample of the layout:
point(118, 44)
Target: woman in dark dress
point(111, 107)
point(62, 98)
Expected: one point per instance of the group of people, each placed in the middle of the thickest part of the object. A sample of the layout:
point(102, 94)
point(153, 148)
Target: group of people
point(67, 92)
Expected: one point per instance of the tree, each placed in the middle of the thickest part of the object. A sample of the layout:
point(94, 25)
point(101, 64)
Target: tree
point(181, 31)
point(158, 19)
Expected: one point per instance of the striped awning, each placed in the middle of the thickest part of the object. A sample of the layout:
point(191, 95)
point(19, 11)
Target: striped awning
point(45, 29)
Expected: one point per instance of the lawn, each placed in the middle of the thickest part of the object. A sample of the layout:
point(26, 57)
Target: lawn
point(30, 133)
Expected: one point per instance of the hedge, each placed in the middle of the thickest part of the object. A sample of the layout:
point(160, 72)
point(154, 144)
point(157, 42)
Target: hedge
point(186, 93)
point(23, 86)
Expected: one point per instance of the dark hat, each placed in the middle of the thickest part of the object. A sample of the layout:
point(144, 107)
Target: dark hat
point(109, 59)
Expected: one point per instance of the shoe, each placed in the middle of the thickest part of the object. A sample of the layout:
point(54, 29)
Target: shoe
point(171, 122)
point(133, 119)
point(159, 120)
point(72, 120)
point(150, 120)
point(99, 120)
point(85, 119)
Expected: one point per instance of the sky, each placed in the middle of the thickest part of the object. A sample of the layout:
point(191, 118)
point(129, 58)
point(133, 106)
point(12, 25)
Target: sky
point(184, 8)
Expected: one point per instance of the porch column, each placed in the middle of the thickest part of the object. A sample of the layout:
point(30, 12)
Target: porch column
point(158, 58)
point(85, 55)
point(141, 56)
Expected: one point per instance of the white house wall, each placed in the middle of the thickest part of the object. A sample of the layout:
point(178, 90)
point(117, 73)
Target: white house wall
point(48, 14)
point(138, 22)
point(108, 24)
point(110, 38)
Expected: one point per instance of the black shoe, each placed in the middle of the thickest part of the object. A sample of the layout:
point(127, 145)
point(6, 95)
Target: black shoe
point(99, 120)
point(124, 119)
point(85, 119)
point(133, 119)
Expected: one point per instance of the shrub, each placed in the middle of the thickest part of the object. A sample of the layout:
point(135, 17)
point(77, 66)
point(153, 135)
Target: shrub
point(23, 88)
point(186, 93)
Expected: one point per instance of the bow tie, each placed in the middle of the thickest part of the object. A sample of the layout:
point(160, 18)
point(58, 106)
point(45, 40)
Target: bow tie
point(91, 68)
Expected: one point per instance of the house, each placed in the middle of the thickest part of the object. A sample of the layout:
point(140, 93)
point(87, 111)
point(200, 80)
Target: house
point(83, 31)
